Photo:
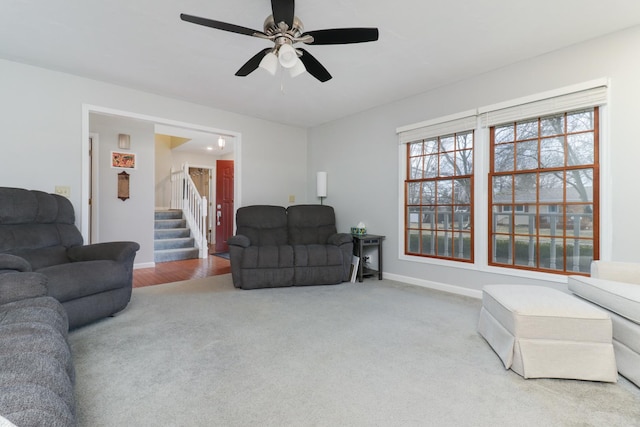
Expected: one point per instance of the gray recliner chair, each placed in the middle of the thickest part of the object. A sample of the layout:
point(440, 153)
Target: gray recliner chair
point(91, 281)
point(297, 246)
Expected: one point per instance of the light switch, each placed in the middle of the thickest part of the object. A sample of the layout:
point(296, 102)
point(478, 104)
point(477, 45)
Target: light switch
point(63, 191)
point(292, 198)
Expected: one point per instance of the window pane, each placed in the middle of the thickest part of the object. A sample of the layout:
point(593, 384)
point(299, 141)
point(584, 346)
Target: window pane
point(579, 255)
point(503, 158)
point(552, 152)
point(502, 189)
point(551, 221)
point(462, 245)
point(527, 155)
point(551, 187)
point(413, 217)
point(428, 243)
point(415, 148)
point(462, 193)
point(580, 121)
point(551, 254)
point(525, 191)
point(526, 130)
point(464, 162)
point(446, 164)
point(504, 134)
point(413, 193)
point(464, 141)
point(553, 125)
point(431, 146)
point(428, 192)
point(580, 148)
point(580, 185)
point(447, 143)
point(415, 171)
point(525, 251)
point(413, 241)
point(431, 166)
point(526, 221)
point(445, 191)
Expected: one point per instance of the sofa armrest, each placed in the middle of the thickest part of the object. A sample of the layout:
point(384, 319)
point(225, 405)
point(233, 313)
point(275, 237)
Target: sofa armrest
point(339, 239)
point(14, 263)
point(19, 286)
point(115, 251)
point(239, 240)
point(628, 272)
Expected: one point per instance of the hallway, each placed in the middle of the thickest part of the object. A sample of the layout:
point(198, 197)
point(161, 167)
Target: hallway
point(174, 271)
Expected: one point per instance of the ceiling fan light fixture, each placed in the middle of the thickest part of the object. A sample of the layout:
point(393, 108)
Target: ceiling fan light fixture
point(297, 69)
point(287, 56)
point(270, 63)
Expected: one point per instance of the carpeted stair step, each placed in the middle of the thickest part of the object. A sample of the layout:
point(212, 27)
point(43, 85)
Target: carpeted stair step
point(175, 254)
point(178, 243)
point(171, 233)
point(169, 214)
point(169, 223)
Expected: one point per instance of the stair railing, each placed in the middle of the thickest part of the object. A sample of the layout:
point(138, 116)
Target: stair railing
point(185, 196)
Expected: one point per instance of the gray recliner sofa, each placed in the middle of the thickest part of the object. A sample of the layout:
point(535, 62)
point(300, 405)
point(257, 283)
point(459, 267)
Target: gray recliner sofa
point(91, 281)
point(36, 368)
point(295, 246)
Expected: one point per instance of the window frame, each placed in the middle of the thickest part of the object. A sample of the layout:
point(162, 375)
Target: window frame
point(451, 243)
point(483, 114)
point(512, 235)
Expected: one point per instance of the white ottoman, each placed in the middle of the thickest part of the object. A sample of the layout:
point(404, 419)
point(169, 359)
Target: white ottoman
point(541, 332)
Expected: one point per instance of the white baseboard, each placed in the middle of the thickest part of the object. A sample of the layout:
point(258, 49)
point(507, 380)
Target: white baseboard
point(452, 289)
point(144, 265)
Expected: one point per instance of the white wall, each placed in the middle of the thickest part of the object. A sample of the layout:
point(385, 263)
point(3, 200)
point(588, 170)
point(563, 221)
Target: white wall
point(41, 114)
point(131, 219)
point(360, 153)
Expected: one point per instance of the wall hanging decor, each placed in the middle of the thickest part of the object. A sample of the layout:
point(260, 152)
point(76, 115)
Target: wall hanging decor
point(123, 186)
point(123, 160)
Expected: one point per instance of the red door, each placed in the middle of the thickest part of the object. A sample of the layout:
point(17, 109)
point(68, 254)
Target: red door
point(224, 204)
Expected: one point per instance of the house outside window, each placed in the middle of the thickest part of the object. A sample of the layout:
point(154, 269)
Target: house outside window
point(439, 197)
point(544, 207)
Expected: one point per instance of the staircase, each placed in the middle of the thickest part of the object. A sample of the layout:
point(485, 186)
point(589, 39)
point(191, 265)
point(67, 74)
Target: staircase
point(172, 238)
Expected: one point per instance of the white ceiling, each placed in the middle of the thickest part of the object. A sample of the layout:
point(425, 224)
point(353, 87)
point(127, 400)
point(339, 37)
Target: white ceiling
point(423, 44)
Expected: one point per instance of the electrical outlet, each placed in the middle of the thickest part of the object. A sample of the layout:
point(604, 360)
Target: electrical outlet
point(63, 191)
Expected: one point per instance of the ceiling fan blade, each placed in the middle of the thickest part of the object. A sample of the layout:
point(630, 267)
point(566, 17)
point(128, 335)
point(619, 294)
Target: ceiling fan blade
point(219, 25)
point(283, 11)
point(251, 65)
point(315, 68)
point(343, 36)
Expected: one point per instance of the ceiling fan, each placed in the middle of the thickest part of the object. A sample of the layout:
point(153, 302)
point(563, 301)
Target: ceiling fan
point(284, 29)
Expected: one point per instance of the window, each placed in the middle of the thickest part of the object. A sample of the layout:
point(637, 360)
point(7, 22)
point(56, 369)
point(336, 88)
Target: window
point(439, 197)
point(543, 204)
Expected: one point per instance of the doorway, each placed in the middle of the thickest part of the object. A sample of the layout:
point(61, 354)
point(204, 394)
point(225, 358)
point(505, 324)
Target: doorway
point(91, 214)
point(224, 204)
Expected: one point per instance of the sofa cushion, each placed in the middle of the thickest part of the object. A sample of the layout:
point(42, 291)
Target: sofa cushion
point(79, 279)
point(267, 257)
point(619, 297)
point(33, 405)
point(263, 225)
point(310, 224)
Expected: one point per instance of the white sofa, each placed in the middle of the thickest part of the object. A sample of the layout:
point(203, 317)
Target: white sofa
point(615, 286)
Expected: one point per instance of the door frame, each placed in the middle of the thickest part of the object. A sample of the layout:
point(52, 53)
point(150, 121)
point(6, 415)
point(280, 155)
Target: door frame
point(86, 169)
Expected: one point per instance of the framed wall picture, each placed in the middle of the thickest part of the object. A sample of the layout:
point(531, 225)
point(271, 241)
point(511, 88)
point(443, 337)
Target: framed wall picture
point(123, 160)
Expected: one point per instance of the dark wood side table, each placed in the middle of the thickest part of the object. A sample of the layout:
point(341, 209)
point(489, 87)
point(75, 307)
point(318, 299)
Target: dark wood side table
point(361, 242)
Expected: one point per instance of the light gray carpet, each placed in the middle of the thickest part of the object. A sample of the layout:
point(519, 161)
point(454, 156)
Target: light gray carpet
point(378, 353)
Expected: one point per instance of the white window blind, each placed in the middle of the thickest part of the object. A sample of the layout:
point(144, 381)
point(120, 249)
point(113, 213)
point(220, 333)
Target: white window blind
point(499, 114)
point(437, 127)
